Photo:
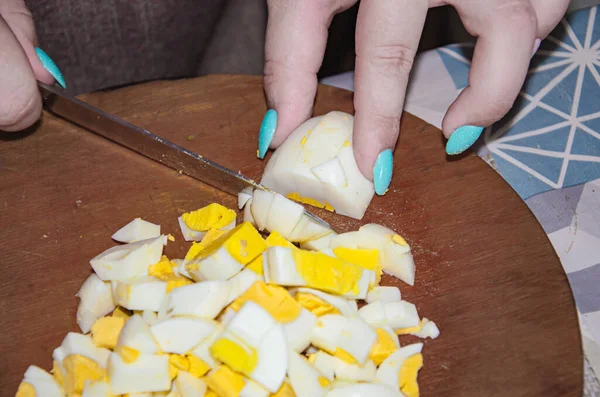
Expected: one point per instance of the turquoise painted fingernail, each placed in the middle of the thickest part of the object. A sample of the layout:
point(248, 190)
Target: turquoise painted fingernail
point(382, 172)
point(267, 130)
point(462, 139)
point(50, 66)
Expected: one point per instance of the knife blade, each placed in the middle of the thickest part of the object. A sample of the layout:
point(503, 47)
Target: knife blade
point(148, 144)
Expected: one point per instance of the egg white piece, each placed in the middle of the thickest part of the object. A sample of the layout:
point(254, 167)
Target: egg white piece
point(304, 378)
point(283, 216)
point(76, 343)
point(253, 389)
point(384, 294)
point(98, 388)
point(241, 282)
point(319, 243)
point(298, 332)
point(353, 372)
point(136, 230)
point(308, 230)
point(305, 164)
point(125, 262)
point(204, 299)
point(261, 206)
point(95, 301)
point(335, 331)
point(202, 351)
point(181, 334)
point(244, 196)
point(142, 293)
point(189, 234)
point(42, 382)
point(324, 363)
point(187, 385)
point(136, 335)
point(248, 216)
point(429, 330)
point(345, 306)
point(148, 373)
point(150, 317)
point(220, 265)
point(388, 371)
point(399, 314)
point(363, 390)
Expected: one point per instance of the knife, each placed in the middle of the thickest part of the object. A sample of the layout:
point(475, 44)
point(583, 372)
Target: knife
point(147, 144)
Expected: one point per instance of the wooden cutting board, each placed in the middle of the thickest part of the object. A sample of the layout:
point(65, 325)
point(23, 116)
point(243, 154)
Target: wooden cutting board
point(486, 273)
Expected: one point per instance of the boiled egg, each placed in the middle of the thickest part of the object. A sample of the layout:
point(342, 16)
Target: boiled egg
point(398, 314)
point(226, 383)
point(227, 256)
point(98, 388)
point(136, 230)
point(142, 293)
point(201, 354)
point(138, 374)
point(321, 303)
point(95, 301)
point(316, 165)
point(37, 382)
point(195, 224)
point(319, 243)
point(187, 385)
point(400, 370)
point(136, 335)
point(384, 293)
point(425, 329)
point(203, 299)
point(128, 261)
point(254, 345)
point(364, 390)
point(181, 334)
point(305, 380)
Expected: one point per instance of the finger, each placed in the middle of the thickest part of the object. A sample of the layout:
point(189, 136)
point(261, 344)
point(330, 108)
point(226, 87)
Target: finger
point(294, 50)
point(19, 19)
point(549, 13)
point(387, 37)
point(506, 37)
point(20, 102)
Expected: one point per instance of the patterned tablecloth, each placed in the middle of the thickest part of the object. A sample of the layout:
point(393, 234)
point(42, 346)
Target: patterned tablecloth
point(547, 148)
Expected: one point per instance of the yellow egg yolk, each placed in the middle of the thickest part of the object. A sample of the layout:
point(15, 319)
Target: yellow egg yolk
point(315, 305)
point(309, 201)
point(277, 240)
point(285, 391)
point(213, 216)
point(398, 239)
point(276, 300)
point(365, 258)
point(344, 356)
point(209, 237)
point(57, 373)
point(177, 281)
point(121, 313)
point(383, 346)
point(79, 370)
point(323, 381)
point(244, 243)
point(170, 237)
point(235, 354)
point(106, 330)
point(225, 382)
point(256, 265)
point(211, 393)
point(407, 377)
point(163, 269)
point(127, 354)
point(178, 363)
point(323, 272)
point(26, 390)
point(198, 367)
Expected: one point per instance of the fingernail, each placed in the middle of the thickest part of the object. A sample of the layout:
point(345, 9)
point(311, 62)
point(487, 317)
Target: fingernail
point(382, 172)
point(50, 66)
point(536, 46)
point(462, 139)
point(267, 130)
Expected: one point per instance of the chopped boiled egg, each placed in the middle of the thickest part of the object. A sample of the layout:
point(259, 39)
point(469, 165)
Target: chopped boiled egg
point(383, 293)
point(321, 303)
point(364, 390)
point(203, 299)
point(96, 300)
point(316, 164)
point(399, 314)
point(136, 336)
point(400, 370)
point(195, 224)
point(188, 385)
point(181, 334)
point(143, 373)
point(128, 261)
point(37, 382)
point(136, 230)
point(142, 293)
point(227, 256)
point(306, 380)
point(106, 330)
point(425, 329)
point(98, 388)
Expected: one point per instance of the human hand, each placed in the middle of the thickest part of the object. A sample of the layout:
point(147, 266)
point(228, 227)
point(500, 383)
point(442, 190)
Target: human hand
point(387, 38)
point(21, 64)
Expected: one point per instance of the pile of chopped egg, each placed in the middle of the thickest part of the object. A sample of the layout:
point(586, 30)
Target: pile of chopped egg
point(269, 307)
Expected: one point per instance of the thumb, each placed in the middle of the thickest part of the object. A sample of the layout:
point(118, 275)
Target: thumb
point(18, 17)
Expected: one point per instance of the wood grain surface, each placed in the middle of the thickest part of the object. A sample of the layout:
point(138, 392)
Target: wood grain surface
point(486, 273)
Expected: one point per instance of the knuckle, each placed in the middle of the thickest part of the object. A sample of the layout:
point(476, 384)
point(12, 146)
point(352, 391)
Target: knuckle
point(392, 59)
point(518, 13)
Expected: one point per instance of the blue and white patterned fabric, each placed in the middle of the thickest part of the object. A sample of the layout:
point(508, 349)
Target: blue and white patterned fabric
point(547, 148)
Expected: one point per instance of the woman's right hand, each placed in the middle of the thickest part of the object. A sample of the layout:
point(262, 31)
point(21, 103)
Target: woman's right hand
point(20, 67)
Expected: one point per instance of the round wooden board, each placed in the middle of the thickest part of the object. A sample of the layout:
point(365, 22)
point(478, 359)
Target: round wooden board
point(486, 273)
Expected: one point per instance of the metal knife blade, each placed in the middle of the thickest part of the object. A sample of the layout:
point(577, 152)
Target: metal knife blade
point(147, 144)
